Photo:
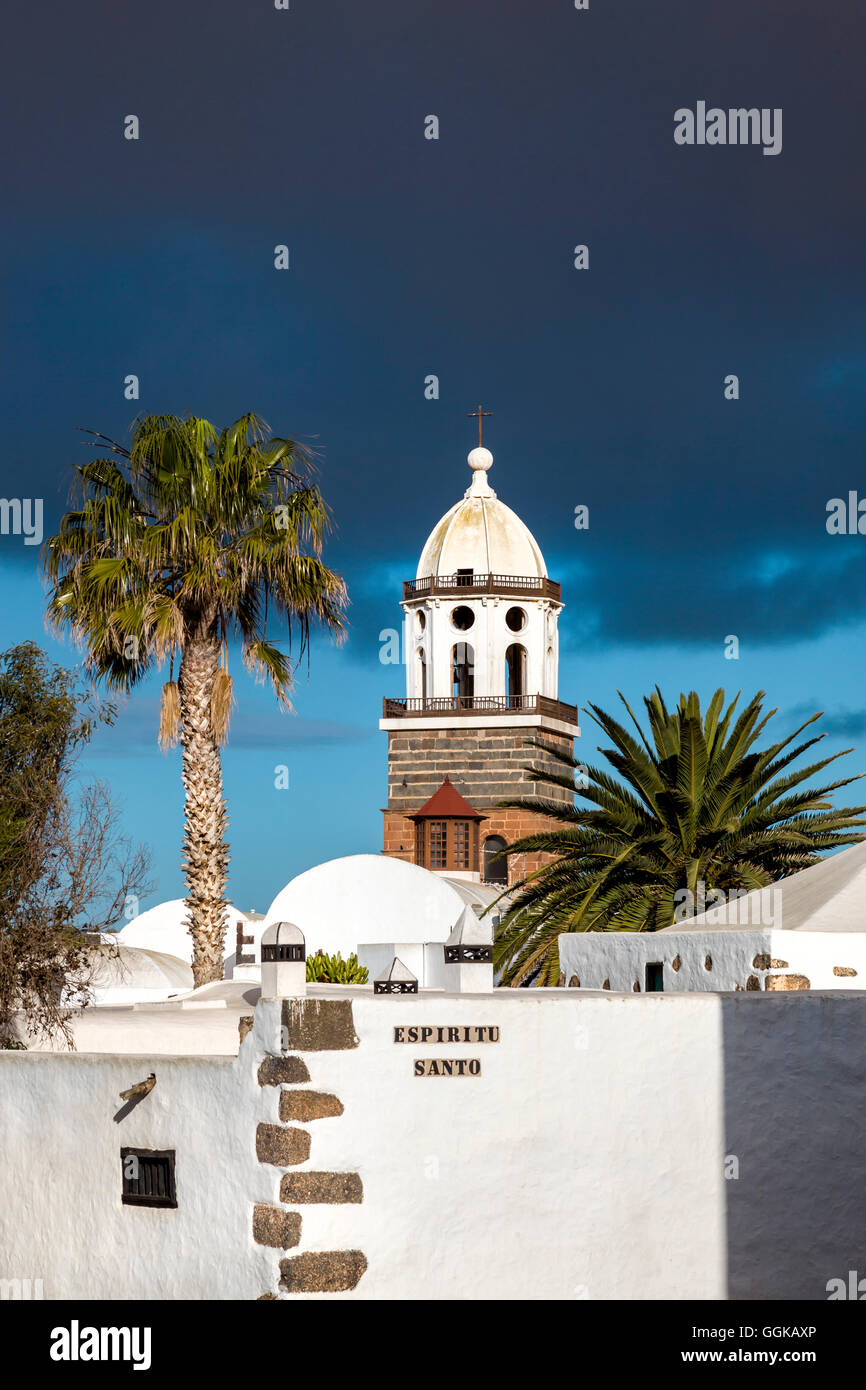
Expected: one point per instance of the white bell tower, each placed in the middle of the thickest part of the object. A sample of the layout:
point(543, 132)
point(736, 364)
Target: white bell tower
point(482, 675)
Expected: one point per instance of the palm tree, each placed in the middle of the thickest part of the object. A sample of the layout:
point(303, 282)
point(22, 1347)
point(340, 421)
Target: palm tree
point(179, 541)
point(698, 805)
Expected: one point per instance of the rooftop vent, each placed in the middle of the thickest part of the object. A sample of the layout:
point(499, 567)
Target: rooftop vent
point(397, 979)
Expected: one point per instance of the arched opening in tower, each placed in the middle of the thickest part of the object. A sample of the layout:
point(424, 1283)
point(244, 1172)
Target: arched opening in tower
point(421, 684)
point(515, 671)
point(463, 670)
point(495, 870)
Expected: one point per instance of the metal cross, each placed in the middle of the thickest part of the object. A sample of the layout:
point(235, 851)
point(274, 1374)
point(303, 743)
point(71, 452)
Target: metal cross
point(480, 415)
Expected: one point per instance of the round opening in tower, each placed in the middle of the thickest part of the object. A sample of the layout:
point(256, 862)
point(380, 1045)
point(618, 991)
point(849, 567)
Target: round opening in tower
point(420, 621)
point(515, 618)
point(462, 618)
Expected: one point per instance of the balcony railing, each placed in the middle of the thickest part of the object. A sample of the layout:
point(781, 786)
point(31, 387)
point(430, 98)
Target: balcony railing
point(479, 704)
point(454, 585)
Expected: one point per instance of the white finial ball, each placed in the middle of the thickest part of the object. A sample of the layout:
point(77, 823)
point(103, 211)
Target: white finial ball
point(480, 460)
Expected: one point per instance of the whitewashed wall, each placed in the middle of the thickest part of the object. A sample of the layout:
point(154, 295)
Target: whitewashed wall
point(621, 958)
point(586, 1161)
point(424, 960)
point(61, 1218)
point(570, 1168)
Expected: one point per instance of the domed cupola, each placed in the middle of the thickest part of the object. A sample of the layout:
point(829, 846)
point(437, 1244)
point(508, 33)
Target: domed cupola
point(480, 535)
point(481, 612)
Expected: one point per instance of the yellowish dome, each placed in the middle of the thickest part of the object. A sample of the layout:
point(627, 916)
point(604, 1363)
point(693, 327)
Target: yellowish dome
point(481, 534)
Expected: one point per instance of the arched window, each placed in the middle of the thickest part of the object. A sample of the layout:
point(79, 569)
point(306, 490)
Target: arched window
point(515, 670)
point(421, 685)
point(495, 870)
point(463, 670)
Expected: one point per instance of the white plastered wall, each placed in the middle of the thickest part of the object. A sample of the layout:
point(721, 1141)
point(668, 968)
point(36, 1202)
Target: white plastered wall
point(585, 1161)
point(621, 958)
point(61, 1217)
point(570, 1168)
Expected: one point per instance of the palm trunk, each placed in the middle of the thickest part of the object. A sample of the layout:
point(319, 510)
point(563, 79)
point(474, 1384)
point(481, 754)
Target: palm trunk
point(205, 852)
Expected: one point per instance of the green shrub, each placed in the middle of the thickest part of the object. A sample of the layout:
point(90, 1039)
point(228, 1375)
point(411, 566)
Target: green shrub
point(333, 970)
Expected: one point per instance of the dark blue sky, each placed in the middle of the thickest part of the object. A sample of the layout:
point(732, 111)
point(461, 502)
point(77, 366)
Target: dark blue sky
point(454, 257)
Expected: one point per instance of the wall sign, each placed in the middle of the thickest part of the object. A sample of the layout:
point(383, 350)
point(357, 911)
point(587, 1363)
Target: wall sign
point(447, 1066)
point(462, 1033)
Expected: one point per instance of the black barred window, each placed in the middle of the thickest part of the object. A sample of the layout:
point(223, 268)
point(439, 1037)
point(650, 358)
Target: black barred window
point(148, 1178)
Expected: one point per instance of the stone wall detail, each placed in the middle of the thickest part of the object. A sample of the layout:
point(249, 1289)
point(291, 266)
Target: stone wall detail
point(318, 1025)
point(308, 1105)
point(309, 1026)
point(279, 1071)
point(275, 1227)
point(330, 1271)
point(486, 766)
point(330, 1188)
point(281, 1146)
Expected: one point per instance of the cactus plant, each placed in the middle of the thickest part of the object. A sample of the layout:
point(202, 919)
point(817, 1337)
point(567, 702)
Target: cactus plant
point(333, 970)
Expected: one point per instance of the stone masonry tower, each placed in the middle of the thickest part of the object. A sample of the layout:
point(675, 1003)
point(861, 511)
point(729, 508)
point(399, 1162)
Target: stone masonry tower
point(482, 655)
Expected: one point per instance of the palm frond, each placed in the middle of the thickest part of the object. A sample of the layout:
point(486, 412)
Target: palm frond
point(694, 802)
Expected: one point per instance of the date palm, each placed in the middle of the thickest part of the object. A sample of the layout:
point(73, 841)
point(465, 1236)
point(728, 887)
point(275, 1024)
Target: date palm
point(179, 542)
point(698, 803)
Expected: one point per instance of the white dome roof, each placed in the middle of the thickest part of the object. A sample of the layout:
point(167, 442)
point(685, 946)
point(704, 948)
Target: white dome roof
point(480, 533)
point(163, 928)
point(132, 973)
point(367, 898)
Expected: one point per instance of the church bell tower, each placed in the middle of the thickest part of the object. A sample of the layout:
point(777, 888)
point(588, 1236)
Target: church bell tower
point(482, 655)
